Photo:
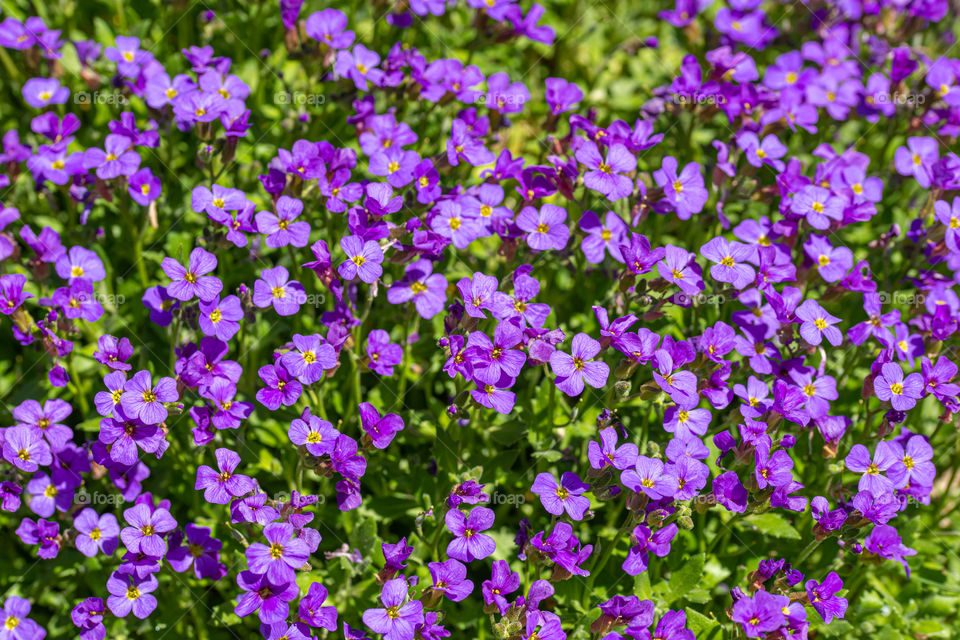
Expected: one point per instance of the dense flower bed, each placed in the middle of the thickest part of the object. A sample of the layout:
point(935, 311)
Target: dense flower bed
point(365, 335)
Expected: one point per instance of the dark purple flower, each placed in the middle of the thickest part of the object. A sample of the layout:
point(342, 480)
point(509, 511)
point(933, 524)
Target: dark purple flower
point(823, 597)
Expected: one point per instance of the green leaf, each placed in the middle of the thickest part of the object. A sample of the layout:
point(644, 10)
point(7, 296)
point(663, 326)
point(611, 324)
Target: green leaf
point(699, 623)
point(687, 578)
point(770, 524)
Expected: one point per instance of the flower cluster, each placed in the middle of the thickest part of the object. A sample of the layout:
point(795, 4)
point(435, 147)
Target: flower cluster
point(622, 346)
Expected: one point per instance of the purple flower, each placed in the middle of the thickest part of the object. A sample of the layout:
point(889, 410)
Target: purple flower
point(546, 229)
point(396, 619)
point(47, 497)
point(477, 293)
point(647, 541)
point(359, 65)
point(872, 480)
point(902, 393)
point(913, 466)
point(78, 300)
point(25, 448)
point(426, 289)
point(885, 542)
point(823, 597)
point(42, 532)
point(131, 593)
point(396, 163)
point(684, 190)
point(113, 352)
point(383, 354)
point(566, 495)
point(451, 221)
point(80, 263)
point(124, 435)
point(217, 201)
point(128, 55)
point(12, 294)
point(329, 27)
point(607, 452)
point(679, 267)
point(562, 95)
point(200, 552)
point(469, 544)
point(144, 187)
point(144, 401)
point(462, 146)
point(758, 615)
point(729, 492)
point(312, 611)
point(96, 533)
point(221, 486)
point(730, 260)
point(649, 476)
point(818, 205)
point(88, 617)
point(607, 237)
point(832, 263)
point(43, 92)
point(317, 435)
point(309, 358)
point(604, 176)
point(107, 401)
point(189, 282)
point(282, 387)
point(280, 227)
point(274, 287)
point(46, 420)
point(815, 323)
point(364, 259)
point(146, 530)
point(917, 159)
point(271, 599)
point(161, 305)
point(117, 158)
point(578, 367)
point(278, 559)
point(759, 153)
point(220, 318)
point(491, 360)
point(17, 626)
point(502, 582)
point(450, 579)
point(380, 429)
